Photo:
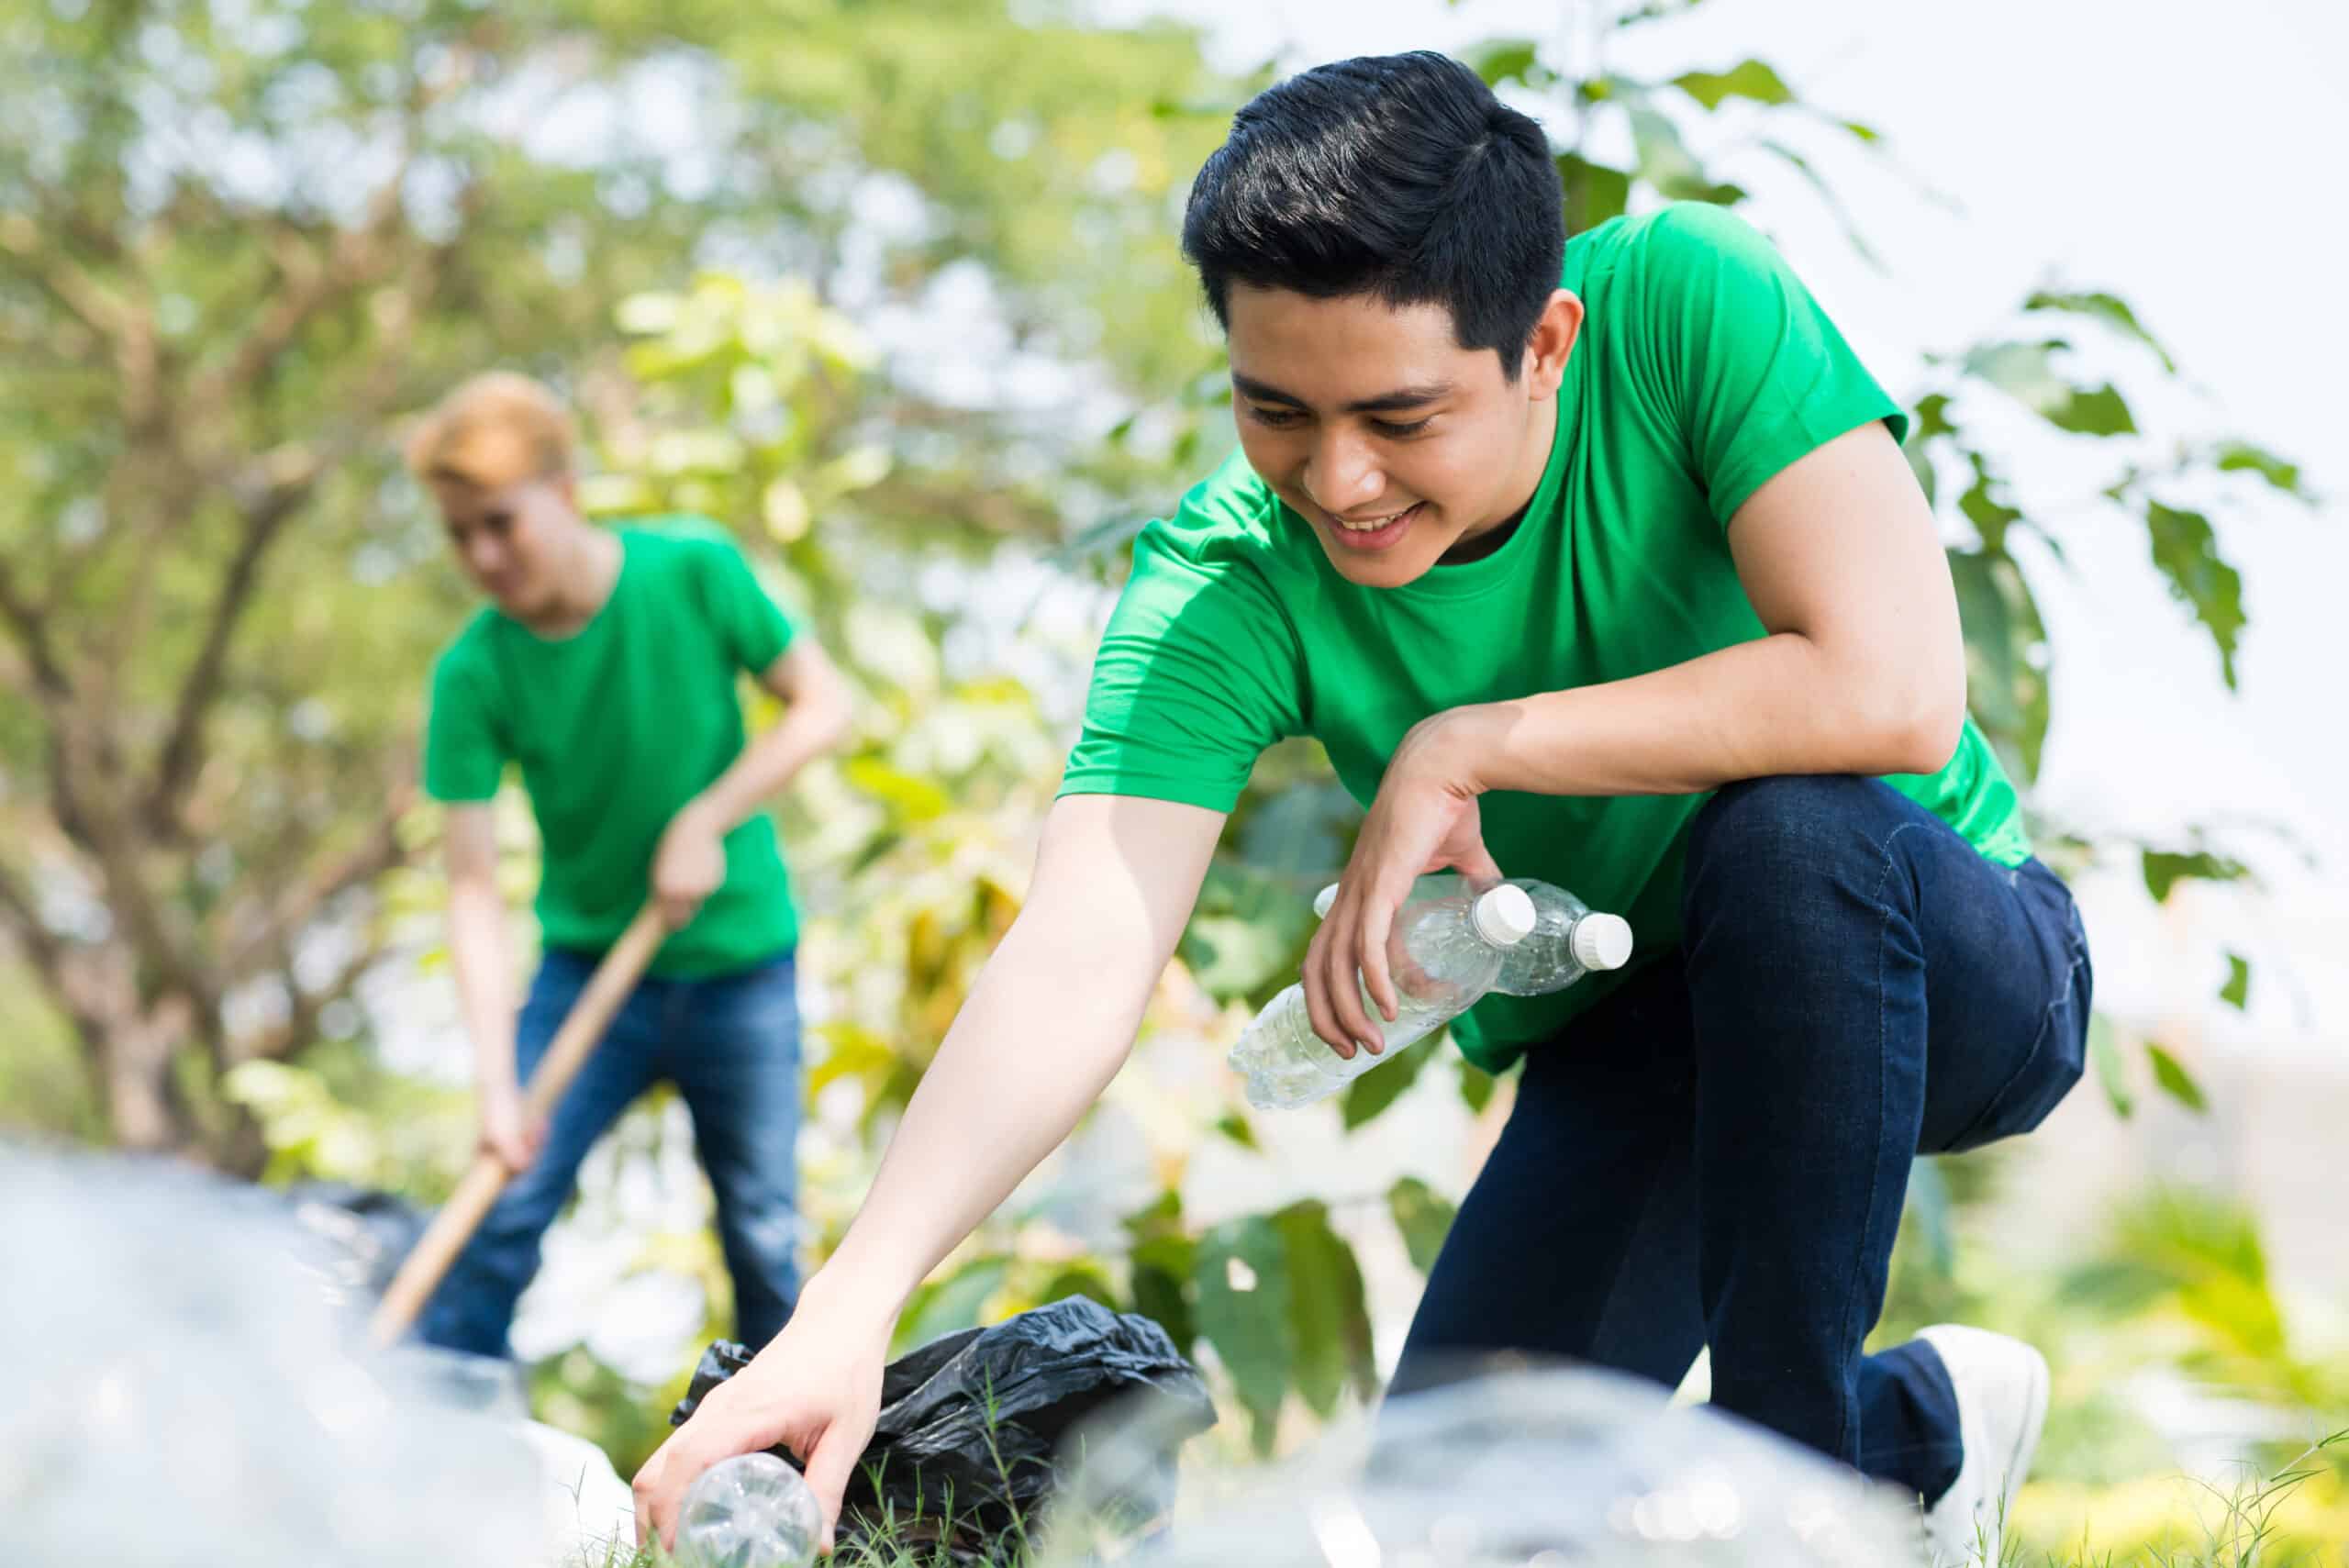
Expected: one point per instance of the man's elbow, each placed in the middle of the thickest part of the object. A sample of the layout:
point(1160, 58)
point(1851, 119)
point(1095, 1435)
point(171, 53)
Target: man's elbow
point(1920, 728)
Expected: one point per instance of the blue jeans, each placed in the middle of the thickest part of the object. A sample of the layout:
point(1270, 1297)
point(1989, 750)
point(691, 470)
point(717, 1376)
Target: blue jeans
point(1716, 1154)
point(731, 1043)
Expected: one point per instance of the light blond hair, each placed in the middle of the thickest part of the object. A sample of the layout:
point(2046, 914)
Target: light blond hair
point(495, 430)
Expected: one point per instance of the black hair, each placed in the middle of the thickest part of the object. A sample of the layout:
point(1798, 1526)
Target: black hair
point(1399, 176)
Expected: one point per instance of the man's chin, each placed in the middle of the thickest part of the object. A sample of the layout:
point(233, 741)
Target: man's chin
point(1392, 569)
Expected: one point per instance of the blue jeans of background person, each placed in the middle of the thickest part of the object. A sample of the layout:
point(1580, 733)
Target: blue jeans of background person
point(731, 1043)
point(1716, 1154)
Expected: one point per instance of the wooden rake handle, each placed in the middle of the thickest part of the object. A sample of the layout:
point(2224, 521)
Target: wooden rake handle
point(583, 1027)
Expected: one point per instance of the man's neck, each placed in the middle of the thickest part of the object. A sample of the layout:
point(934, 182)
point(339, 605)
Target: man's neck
point(590, 571)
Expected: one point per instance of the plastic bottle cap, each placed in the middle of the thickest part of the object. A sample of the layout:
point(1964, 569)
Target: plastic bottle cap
point(1504, 916)
point(1602, 942)
point(1323, 900)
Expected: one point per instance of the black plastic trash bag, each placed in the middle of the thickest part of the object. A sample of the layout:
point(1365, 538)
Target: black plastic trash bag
point(971, 1422)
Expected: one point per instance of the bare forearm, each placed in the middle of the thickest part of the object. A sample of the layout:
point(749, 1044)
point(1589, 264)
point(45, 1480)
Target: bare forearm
point(1781, 704)
point(1026, 1056)
point(484, 963)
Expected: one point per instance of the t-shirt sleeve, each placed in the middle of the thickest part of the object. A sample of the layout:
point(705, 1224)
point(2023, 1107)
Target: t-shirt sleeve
point(750, 625)
point(464, 758)
point(1756, 372)
point(1195, 675)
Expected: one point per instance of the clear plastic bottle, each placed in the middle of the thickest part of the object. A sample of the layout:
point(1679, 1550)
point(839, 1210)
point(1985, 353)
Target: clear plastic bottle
point(751, 1511)
point(1569, 939)
point(1443, 954)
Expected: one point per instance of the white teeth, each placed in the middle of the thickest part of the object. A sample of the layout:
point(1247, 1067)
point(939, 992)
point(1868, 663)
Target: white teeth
point(1372, 526)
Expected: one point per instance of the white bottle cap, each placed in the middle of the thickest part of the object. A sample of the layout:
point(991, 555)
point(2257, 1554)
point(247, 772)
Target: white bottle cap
point(1505, 916)
point(1602, 942)
point(1323, 900)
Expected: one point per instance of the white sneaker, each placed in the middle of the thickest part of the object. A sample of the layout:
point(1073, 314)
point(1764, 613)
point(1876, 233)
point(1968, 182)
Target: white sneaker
point(2002, 1404)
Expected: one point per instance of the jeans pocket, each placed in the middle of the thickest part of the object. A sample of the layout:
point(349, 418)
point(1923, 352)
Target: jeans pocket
point(2056, 1061)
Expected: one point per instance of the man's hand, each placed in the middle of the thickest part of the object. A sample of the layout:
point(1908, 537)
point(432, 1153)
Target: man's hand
point(508, 1130)
point(816, 1388)
point(1424, 820)
point(688, 866)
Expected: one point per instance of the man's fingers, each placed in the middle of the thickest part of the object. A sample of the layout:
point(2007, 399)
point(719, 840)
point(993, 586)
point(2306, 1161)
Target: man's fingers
point(1377, 921)
point(1316, 995)
point(829, 1469)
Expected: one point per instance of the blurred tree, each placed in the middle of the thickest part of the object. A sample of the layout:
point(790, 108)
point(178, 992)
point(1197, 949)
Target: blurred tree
point(240, 239)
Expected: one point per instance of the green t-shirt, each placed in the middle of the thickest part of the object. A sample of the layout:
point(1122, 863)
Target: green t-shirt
point(616, 728)
point(1703, 368)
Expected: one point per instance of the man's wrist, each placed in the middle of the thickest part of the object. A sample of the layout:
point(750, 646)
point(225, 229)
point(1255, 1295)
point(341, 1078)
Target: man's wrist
point(1468, 747)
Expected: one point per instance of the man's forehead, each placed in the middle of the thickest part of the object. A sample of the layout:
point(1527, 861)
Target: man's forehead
point(1338, 353)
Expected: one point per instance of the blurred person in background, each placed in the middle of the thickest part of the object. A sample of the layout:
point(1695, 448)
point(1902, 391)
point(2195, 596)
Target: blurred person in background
point(608, 664)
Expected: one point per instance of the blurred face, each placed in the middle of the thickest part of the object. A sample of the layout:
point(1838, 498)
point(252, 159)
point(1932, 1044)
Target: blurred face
point(1398, 445)
point(512, 541)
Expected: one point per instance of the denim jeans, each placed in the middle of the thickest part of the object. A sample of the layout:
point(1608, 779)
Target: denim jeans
point(731, 1043)
point(1716, 1154)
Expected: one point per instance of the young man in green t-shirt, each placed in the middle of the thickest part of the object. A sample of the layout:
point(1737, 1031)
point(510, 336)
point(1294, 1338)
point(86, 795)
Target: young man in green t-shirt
point(607, 665)
point(1598, 563)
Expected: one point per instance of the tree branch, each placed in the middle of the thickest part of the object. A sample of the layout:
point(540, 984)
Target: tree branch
point(378, 851)
point(29, 622)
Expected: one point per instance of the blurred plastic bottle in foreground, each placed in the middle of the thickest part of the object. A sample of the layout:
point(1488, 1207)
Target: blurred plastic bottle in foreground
point(1443, 954)
point(751, 1511)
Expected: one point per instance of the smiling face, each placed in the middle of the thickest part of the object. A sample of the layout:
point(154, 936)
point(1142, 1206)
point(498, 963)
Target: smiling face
point(1398, 445)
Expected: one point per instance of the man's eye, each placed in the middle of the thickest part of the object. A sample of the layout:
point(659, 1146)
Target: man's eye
point(1273, 419)
point(1398, 432)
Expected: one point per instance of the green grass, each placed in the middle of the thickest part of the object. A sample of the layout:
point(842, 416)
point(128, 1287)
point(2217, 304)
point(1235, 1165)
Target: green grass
point(2271, 1519)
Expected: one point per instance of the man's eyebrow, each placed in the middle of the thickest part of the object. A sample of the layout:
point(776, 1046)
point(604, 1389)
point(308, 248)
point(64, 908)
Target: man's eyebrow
point(1402, 398)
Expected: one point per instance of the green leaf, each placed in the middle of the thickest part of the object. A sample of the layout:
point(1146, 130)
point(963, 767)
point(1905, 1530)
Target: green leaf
point(1241, 1280)
point(1506, 60)
point(1862, 130)
point(1160, 1296)
point(1654, 10)
point(953, 1303)
point(2236, 992)
point(2165, 869)
point(2099, 411)
point(1991, 518)
point(2111, 1070)
point(2242, 457)
point(1081, 1280)
point(1233, 957)
point(2171, 1074)
point(1327, 1308)
point(1667, 164)
point(1384, 1085)
point(1235, 1126)
point(1595, 192)
point(2187, 551)
point(2022, 371)
point(2111, 308)
point(1423, 1216)
point(1921, 463)
point(1476, 1086)
point(911, 799)
point(2006, 682)
point(2026, 372)
point(1747, 79)
point(1932, 418)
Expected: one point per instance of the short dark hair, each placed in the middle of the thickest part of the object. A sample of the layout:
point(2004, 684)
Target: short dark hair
point(1399, 176)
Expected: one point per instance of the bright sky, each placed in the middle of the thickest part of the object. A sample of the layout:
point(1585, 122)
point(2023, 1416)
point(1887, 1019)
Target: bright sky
point(2089, 144)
